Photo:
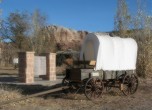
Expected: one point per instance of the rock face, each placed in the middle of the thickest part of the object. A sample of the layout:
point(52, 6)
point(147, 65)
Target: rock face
point(66, 38)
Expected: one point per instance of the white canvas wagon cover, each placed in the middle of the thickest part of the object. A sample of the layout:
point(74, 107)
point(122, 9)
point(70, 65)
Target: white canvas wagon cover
point(110, 53)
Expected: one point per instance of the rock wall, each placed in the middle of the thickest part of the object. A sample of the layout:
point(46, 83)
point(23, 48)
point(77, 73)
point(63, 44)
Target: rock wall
point(66, 38)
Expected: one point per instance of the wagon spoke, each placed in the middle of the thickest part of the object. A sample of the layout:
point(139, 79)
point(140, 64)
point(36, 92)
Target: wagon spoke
point(89, 92)
point(130, 83)
point(89, 86)
point(92, 82)
point(93, 88)
point(98, 92)
point(88, 89)
point(94, 95)
point(134, 84)
point(129, 90)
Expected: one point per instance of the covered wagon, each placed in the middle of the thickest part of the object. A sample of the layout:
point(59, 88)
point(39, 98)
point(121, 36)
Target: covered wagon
point(113, 61)
point(110, 53)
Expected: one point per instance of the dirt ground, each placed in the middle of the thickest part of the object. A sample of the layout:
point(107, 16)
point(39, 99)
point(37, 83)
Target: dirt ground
point(113, 100)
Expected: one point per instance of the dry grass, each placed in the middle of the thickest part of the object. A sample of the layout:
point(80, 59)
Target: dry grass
point(110, 101)
point(7, 93)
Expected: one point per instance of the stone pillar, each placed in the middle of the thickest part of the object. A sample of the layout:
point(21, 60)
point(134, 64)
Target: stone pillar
point(51, 66)
point(26, 67)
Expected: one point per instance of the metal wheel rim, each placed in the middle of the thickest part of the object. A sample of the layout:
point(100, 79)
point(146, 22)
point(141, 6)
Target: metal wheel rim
point(130, 84)
point(93, 89)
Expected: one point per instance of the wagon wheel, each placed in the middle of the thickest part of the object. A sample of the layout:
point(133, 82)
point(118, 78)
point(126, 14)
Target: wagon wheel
point(93, 88)
point(130, 84)
point(66, 82)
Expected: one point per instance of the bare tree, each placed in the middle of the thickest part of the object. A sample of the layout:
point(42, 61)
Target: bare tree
point(142, 25)
point(122, 17)
point(138, 26)
point(15, 30)
point(42, 39)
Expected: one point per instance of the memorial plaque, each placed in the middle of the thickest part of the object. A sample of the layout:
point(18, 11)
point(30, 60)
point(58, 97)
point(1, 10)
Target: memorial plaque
point(39, 65)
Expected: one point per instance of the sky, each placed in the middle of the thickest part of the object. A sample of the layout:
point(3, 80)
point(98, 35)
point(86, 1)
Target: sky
point(89, 15)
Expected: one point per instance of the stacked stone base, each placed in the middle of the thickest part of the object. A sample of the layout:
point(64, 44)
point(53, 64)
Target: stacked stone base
point(26, 67)
point(51, 66)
